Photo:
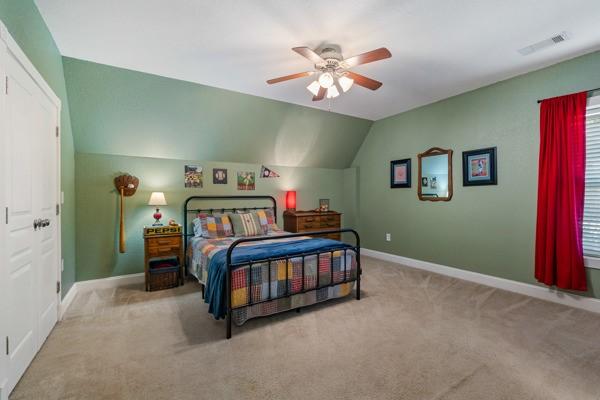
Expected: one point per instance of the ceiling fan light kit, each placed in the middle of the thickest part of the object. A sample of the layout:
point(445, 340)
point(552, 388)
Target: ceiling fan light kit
point(334, 72)
point(314, 87)
point(326, 80)
point(346, 83)
point(332, 92)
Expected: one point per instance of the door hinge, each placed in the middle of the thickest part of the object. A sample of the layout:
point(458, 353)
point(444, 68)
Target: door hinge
point(7, 347)
point(6, 214)
point(57, 209)
point(57, 286)
point(57, 130)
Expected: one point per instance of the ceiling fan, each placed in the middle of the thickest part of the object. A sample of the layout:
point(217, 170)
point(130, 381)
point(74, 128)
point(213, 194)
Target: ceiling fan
point(333, 71)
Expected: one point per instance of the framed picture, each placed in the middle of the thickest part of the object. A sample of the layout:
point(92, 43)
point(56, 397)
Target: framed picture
point(424, 181)
point(400, 173)
point(246, 180)
point(193, 176)
point(324, 205)
point(479, 167)
point(219, 176)
point(433, 182)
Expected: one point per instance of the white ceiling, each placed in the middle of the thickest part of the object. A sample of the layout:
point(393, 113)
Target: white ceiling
point(440, 47)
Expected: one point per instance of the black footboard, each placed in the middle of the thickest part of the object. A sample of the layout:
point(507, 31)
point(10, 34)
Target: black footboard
point(230, 265)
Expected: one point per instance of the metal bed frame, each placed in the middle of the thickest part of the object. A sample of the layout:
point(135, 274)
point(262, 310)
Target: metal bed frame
point(269, 261)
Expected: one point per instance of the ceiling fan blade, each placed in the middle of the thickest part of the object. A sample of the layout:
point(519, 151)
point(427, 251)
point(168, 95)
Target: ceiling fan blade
point(288, 77)
point(364, 81)
point(368, 57)
point(320, 95)
point(309, 53)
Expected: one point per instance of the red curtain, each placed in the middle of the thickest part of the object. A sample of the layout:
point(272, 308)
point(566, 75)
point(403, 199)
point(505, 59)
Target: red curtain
point(561, 185)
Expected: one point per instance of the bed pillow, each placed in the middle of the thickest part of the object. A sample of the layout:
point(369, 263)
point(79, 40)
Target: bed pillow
point(215, 225)
point(197, 224)
point(246, 224)
point(267, 221)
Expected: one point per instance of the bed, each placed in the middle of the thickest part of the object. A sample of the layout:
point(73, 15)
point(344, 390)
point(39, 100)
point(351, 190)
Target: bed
point(248, 277)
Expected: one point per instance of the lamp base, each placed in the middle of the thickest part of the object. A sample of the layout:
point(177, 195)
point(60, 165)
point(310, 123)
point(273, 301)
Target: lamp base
point(157, 216)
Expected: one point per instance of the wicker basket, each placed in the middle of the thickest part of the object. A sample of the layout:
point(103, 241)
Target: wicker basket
point(164, 277)
point(164, 280)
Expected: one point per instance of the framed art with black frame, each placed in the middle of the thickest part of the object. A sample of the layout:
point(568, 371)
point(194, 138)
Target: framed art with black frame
point(400, 173)
point(479, 167)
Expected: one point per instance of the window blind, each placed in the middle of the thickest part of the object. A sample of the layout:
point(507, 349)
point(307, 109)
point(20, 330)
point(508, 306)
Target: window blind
point(591, 210)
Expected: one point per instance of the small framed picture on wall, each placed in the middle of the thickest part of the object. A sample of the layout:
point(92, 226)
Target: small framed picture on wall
point(479, 167)
point(400, 173)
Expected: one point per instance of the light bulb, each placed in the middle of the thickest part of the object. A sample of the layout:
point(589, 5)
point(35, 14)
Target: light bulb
point(314, 88)
point(326, 80)
point(346, 83)
point(332, 92)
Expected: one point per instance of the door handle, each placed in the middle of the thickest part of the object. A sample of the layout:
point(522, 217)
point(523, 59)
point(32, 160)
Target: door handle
point(40, 223)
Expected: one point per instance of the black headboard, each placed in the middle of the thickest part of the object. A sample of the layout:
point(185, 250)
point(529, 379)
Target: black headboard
point(187, 209)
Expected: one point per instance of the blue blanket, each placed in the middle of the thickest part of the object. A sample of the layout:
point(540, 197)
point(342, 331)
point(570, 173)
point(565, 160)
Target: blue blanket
point(215, 294)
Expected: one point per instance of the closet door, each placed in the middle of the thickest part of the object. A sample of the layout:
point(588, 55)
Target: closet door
point(31, 196)
point(22, 253)
point(45, 148)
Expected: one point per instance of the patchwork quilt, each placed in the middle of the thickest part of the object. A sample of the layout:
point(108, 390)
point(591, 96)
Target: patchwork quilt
point(206, 263)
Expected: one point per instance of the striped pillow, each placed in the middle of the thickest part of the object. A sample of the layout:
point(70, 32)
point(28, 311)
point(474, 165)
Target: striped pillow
point(246, 224)
point(215, 225)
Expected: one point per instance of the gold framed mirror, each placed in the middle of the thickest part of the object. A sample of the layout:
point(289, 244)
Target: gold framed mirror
point(435, 175)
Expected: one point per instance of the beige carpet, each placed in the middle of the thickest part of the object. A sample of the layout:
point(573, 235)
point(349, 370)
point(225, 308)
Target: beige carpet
point(414, 335)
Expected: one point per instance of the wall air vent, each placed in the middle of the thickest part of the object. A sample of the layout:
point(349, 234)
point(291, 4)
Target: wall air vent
point(554, 40)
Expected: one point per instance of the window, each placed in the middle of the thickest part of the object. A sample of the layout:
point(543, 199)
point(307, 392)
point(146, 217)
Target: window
point(591, 212)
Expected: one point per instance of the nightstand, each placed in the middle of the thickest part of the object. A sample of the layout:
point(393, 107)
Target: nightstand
point(164, 242)
point(312, 221)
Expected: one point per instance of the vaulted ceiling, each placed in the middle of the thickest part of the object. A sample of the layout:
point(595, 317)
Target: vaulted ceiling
point(440, 47)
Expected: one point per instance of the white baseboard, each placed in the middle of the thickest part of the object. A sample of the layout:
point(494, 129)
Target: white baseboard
point(111, 282)
point(3, 392)
point(104, 283)
point(66, 301)
point(527, 289)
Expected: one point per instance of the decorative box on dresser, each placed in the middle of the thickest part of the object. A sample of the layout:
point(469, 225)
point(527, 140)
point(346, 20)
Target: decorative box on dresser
point(312, 221)
point(162, 242)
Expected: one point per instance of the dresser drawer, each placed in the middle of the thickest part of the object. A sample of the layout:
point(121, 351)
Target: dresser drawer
point(330, 225)
point(330, 219)
point(163, 241)
point(309, 220)
point(160, 251)
point(334, 236)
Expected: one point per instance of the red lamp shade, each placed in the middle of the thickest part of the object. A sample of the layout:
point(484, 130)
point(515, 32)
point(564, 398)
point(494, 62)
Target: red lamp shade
point(290, 200)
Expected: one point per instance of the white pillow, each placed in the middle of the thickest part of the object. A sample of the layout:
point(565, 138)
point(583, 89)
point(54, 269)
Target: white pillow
point(197, 227)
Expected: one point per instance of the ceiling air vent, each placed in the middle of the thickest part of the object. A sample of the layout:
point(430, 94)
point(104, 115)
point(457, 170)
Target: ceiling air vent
point(554, 40)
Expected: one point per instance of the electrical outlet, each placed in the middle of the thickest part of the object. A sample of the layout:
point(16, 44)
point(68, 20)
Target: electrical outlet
point(388, 237)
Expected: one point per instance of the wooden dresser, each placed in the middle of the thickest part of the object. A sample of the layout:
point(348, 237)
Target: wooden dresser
point(312, 221)
point(163, 245)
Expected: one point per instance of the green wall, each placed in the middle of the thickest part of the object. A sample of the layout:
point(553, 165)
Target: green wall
point(98, 208)
point(489, 229)
point(117, 111)
point(149, 125)
point(27, 27)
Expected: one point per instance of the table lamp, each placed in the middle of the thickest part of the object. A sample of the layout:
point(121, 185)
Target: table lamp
point(290, 200)
point(157, 199)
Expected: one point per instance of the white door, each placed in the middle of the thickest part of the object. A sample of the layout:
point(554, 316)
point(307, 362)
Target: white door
point(31, 196)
